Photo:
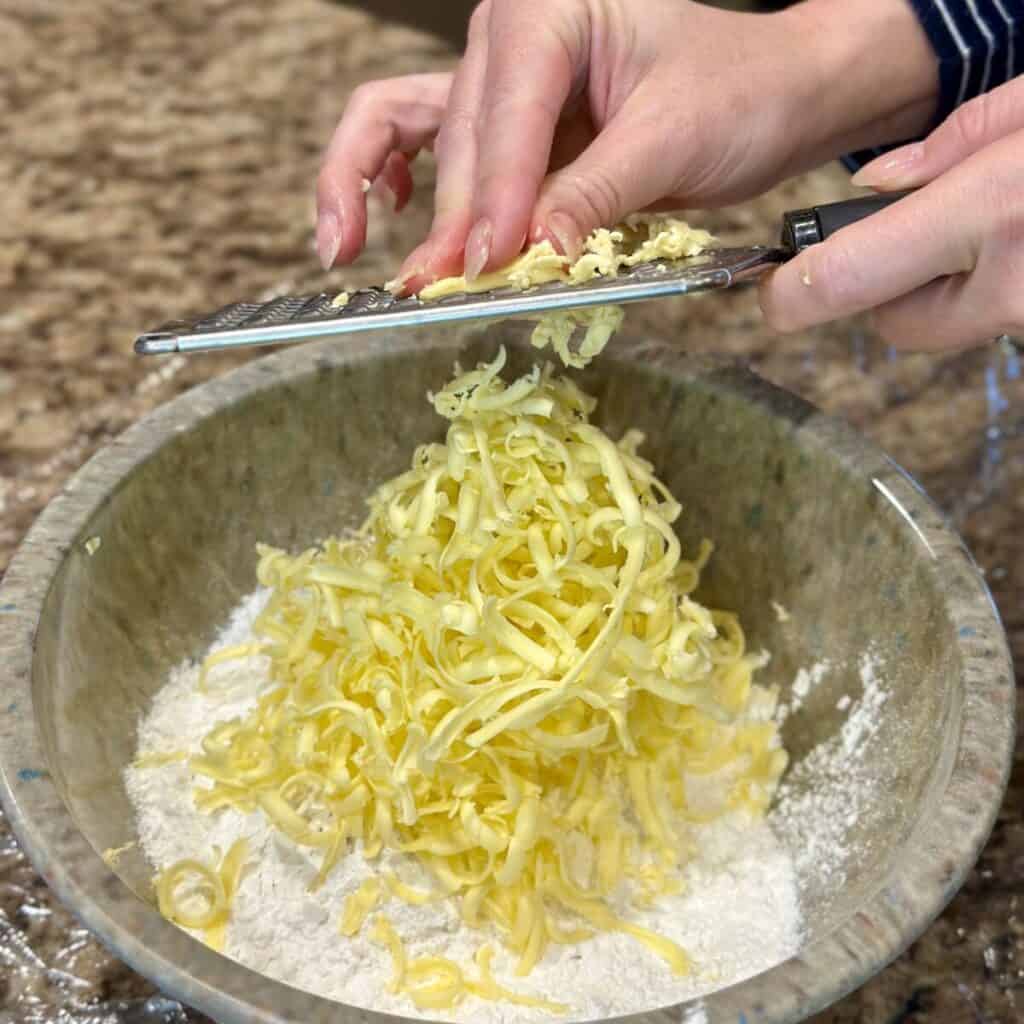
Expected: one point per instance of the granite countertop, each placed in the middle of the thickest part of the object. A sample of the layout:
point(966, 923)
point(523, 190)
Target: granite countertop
point(159, 157)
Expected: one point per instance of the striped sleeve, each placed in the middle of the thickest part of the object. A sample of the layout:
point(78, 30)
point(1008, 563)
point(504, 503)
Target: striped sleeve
point(979, 45)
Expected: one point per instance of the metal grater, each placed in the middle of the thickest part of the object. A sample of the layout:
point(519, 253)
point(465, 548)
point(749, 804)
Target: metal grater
point(301, 318)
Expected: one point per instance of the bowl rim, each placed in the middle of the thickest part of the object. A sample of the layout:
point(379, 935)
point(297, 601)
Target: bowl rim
point(938, 853)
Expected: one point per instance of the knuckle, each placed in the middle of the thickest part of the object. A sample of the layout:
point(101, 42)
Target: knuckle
point(834, 275)
point(363, 98)
point(509, 106)
point(599, 196)
point(1005, 198)
point(459, 122)
point(970, 123)
point(457, 125)
point(369, 99)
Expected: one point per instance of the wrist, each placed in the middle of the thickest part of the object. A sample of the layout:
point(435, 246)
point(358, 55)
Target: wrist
point(865, 75)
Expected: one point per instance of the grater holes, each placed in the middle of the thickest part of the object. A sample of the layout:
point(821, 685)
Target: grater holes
point(275, 311)
point(227, 317)
point(314, 307)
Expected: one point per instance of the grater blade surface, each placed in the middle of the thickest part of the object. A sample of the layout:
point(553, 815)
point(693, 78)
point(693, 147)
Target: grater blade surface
point(304, 317)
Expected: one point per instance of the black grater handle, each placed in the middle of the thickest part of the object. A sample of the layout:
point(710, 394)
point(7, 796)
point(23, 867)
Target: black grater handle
point(801, 228)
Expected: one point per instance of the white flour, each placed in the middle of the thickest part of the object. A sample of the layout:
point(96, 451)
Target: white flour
point(823, 796)
point(805, 682)
point(739, 915)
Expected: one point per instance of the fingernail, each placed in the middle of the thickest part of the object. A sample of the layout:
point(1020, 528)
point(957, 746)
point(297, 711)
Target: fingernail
point(413, 268)
point(328, 238)
point(399, 285)
point(478, 248)
point(890, 167)
point(563, 228)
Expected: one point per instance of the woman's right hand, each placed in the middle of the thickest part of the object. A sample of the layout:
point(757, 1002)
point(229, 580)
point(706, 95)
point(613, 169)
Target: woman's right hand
point(566, 115)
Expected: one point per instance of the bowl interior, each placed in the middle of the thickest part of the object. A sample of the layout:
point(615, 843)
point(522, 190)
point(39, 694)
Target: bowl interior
point(794, 520)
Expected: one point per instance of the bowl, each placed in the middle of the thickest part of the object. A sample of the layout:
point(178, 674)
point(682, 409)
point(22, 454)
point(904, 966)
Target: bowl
point(134, 565)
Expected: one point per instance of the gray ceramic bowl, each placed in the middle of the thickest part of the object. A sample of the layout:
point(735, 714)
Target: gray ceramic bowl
point(284, 450)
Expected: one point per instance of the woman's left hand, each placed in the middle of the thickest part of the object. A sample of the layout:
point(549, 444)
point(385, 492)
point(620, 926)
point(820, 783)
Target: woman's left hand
point(941, 268)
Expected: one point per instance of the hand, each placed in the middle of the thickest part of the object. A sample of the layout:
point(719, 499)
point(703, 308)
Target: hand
point(565, 115)
point(942, 268)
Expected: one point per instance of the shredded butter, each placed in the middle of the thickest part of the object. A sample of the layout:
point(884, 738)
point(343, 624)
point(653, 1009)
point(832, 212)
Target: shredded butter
point(641, 238)
point(504, 674)
point(197, 896)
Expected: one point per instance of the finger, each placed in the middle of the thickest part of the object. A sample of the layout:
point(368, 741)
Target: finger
point(359, 152)
point(534, 56)
point(971, 127)
point(922, 237)
point(628, 167)
point(397, 178)
point(399, 114)
point(942, 315)
point(455, 150)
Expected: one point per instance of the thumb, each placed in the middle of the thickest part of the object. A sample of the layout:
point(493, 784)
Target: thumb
point(626, 168)
point(973, 126)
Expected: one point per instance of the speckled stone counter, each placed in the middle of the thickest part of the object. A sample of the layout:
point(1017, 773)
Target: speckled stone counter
point(159, 157)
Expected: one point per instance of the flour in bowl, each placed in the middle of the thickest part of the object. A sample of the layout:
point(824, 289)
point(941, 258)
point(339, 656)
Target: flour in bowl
point(739, 913)
point(825, 793)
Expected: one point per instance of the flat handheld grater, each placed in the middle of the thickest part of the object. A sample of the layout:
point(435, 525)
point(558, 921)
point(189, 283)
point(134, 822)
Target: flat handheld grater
point(304, 317)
